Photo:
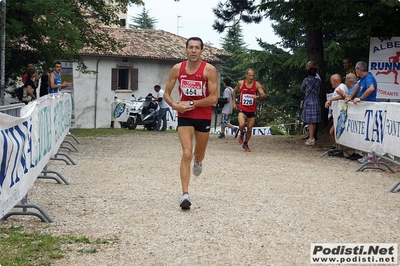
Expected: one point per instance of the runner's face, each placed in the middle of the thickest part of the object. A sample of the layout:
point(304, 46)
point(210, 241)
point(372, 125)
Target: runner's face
point(194, 50)
point(250, 76)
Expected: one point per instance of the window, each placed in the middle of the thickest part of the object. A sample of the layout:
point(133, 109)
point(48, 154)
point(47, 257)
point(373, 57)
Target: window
point(124, 79)
point(122, 22)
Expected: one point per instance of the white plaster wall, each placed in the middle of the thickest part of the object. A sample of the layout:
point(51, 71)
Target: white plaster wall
point(97, 114)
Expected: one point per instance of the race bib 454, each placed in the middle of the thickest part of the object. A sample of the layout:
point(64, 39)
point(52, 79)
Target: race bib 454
point(192, 87)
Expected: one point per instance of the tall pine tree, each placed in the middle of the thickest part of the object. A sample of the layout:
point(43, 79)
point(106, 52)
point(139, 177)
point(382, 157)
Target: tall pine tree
point(143, 20)
point(233, 43)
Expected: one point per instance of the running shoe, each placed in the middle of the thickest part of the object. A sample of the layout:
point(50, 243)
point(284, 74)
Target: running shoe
point(246, 147)
point(241, 139)
point(185, 203)
point(197, 167)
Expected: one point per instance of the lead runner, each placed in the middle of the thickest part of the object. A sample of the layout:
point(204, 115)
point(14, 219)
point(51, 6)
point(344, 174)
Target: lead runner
point(198, 92)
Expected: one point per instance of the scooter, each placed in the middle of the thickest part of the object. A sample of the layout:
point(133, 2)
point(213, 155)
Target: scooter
point(144, 111)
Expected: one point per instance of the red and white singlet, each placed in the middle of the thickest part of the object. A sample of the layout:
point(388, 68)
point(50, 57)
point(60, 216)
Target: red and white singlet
point(246, 102)
point(194, 87)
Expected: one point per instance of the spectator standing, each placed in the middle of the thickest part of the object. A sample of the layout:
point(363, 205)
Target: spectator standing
point(249, 90)
point(162, 112)
point(227, 109)
point(339, 93)
point(25, 74)
point(311, 64)
point(35, 76)
point(44, 85)
point(351, 82)
point(367, 85)
point(348, 66)
point(56, 83)
point(29, 93)
point(198, 92)
point(365, 90)
point(311, 114)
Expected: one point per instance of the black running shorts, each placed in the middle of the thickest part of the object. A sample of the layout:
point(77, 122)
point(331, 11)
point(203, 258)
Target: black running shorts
point(248, 114)
point(201, 125)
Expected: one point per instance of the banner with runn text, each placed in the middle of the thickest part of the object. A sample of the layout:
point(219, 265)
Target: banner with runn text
point(384, 64)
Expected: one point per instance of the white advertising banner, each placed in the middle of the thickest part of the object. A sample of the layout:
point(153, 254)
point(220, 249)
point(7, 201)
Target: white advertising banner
point(368, 126)
point(27, 143)
point(391, 143)
point(384, 64)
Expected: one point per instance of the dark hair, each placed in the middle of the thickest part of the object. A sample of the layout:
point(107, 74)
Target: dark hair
point(57, 63)
point(157, 86)
point(312, 71)
point(44, 78)
point(194, 39)
point(30, 73)
point(347, 59)
point(227, 81)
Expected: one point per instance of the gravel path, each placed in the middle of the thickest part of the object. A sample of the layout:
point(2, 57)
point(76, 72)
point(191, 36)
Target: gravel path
point(260, 208)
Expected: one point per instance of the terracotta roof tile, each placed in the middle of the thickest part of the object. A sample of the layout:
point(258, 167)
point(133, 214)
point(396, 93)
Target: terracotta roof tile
point(153, 44)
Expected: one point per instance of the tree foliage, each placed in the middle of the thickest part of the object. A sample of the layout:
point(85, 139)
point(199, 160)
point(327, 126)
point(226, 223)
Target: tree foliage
point(233, 43)
point(323, 31)
point(41, 31)
point(143, 20)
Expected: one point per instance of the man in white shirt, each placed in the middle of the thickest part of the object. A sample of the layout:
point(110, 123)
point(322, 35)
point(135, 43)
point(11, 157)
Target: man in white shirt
point(338, 94)
point(227, 109)
point(162, 112)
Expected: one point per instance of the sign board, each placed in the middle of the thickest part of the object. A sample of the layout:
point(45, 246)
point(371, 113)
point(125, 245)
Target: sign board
point(384, 64)
point(368, 126)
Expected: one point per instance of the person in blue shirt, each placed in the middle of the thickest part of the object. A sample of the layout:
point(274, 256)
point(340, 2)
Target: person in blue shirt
point(367, 85)
point(351, 82)
point(365, 91)
point(55, 79)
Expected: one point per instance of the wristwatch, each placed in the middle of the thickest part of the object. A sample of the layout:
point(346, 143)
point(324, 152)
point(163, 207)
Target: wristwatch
point(361, 99)
point(191, 103)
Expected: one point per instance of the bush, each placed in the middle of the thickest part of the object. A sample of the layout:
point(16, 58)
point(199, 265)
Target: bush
point(275, 130)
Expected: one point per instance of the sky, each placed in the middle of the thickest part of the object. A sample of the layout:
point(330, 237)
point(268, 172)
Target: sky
point(196, 19)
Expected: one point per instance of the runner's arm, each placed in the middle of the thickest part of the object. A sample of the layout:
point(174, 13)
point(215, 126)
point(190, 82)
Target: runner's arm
point(180, 107)
point(261, 92)
point(210, 73)
point(236, 90)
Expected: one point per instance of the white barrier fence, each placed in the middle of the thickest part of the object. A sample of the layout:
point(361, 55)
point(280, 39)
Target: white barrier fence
point(369, 126)
point(27, 142)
